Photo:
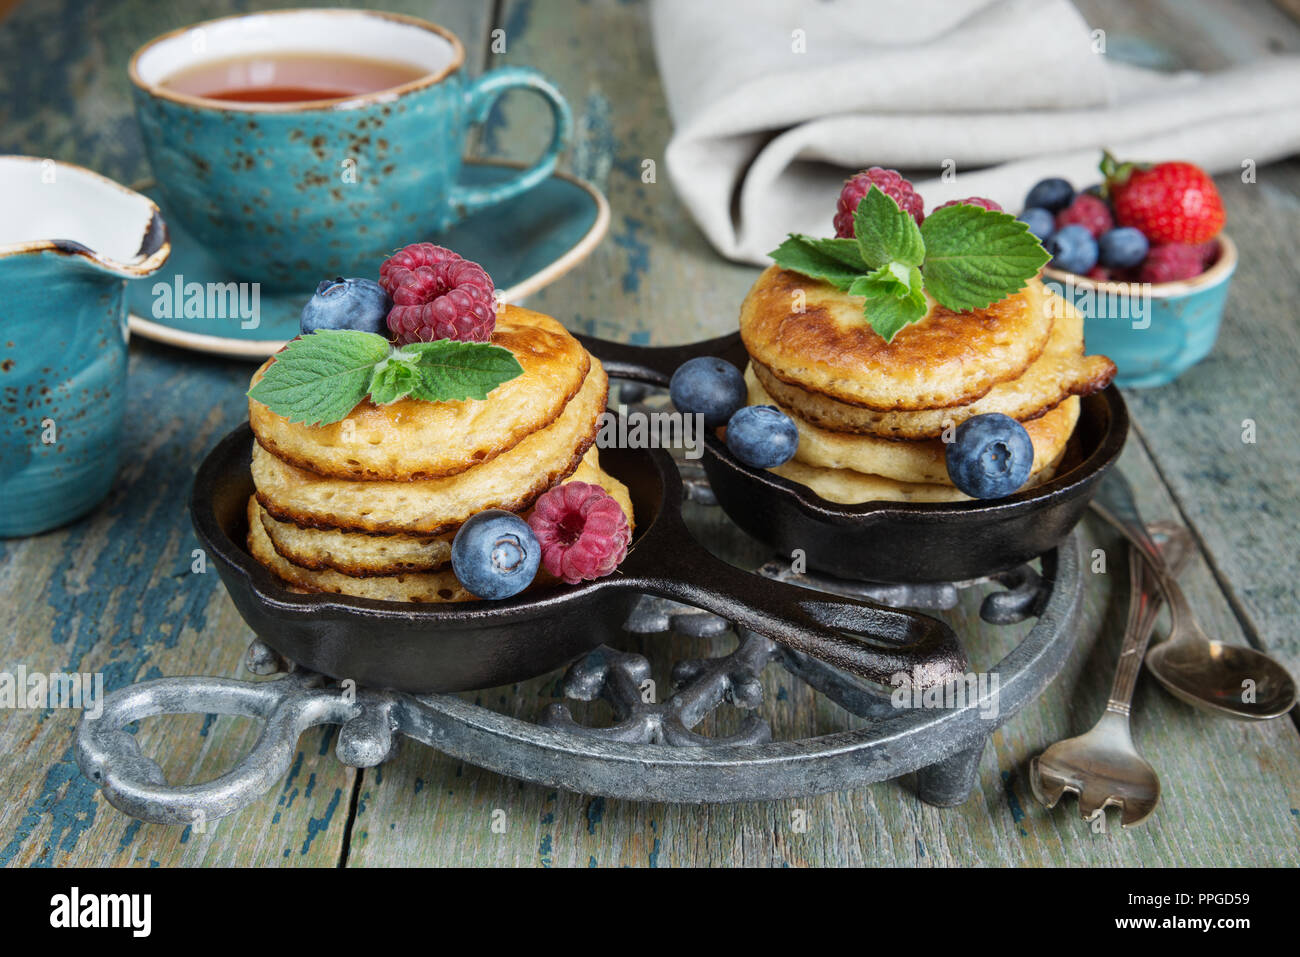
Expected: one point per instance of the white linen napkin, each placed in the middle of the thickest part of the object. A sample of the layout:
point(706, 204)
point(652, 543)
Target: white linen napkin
point(776, 102)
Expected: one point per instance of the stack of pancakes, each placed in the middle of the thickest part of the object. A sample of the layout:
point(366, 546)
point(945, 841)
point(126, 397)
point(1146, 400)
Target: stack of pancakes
point(369, 506)
point(872, 414)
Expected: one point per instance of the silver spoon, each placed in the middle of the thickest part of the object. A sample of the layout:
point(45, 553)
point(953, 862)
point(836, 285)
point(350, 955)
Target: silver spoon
point(1226, 679)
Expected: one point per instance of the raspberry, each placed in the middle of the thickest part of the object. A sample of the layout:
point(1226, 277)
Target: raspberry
point(1088, 211)
point(1170, 262)
point(1209, 251)
point(408, 258)
point(437, 295)
point(890, 182)
point(582, 530)
point(969, 201)
point(1100, 273)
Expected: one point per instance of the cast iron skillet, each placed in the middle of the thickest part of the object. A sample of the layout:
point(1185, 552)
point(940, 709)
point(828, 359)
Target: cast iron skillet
point(483, 644)
point(903, 542)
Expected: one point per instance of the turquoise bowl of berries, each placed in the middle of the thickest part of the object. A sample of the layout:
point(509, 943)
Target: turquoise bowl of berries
point(1153, 332)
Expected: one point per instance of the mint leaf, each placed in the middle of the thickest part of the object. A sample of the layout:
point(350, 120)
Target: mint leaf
point(392, 380)
point(894, 297)
point(888, 314)
point(320, 378)
point(450, 371)
point(844, 251)
point(819, 259)
point(893, 279)
point(885, 233)
point(975, 257)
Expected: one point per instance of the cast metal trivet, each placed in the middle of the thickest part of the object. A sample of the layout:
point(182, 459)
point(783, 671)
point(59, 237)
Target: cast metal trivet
point(651, 751)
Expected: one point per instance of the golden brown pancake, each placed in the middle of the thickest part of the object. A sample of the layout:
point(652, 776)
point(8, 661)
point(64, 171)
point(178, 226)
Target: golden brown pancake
point(1060, 371)
point(431, 587)
point(360, 554)
point(511, 480)
point(922, 460)
point(366, 555)
point(947, 359)
point(412, 439)
point(414, 586)
point(848, 487)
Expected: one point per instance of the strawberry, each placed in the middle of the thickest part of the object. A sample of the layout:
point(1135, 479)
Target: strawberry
point(1168, 202)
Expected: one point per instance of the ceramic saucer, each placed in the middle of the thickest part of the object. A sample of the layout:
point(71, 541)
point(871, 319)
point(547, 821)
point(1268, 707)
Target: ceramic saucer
point(550, 229)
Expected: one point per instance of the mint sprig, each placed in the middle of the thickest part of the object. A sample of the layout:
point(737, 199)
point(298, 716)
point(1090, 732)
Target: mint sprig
point(321, 377)
point(975, 256)
point(964, 256)
point(885, 233)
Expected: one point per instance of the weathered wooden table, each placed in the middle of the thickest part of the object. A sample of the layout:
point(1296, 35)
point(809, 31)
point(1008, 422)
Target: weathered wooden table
point(114, 592)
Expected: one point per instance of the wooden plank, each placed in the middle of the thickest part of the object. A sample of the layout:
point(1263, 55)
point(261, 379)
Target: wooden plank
point(424, 808)
point(114, 593)
point(654, 279)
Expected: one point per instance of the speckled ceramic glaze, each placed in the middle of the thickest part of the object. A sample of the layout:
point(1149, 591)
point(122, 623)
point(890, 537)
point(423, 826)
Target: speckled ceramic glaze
point(69, 240)
point(285, 194)
point(1153, 335)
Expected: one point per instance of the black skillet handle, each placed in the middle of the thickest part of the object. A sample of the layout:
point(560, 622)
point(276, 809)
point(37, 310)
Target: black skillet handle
point(869, 640)
point(655, 365)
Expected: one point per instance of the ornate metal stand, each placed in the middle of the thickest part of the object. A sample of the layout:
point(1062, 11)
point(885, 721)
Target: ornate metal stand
point(651, 751)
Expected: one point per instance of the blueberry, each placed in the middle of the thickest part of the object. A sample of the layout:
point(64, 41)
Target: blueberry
point(990, 456)
point(1040, 221)
point(762, 436)
point(713, 387)
point(1072, 248)
point(1051, 194)
point(495, 554)
point(1122, 248)
point(359, 304)
point(1094, 189)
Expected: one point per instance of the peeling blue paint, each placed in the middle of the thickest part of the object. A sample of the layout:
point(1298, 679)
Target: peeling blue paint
point(638, 253)
point(70, 815)
point(596, 146)
point(595, 811)
point(316, 825)
point(515, 26)
point(128, 836)
point(1013, 802)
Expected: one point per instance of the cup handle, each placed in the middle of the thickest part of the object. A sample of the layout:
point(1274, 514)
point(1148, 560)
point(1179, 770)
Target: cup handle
point(479, 100)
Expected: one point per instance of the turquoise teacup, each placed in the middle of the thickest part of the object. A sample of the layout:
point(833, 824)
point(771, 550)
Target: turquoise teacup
point(69, 240)
point(285, 193)
point(1153, 332)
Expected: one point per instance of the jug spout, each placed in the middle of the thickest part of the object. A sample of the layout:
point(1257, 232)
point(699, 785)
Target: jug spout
point(80, 219)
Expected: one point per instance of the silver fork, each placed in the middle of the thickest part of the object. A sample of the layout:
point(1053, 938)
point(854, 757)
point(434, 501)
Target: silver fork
point(1102, 766)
